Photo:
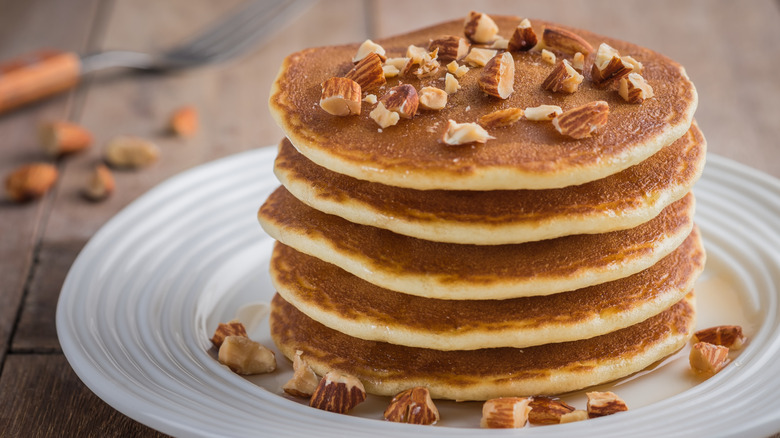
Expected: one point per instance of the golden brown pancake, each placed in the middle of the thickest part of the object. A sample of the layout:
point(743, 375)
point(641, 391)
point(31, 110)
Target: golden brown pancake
point(473, 272)
point(620, 201)
point(525, 155)
point(387, 369)
point(343, 302)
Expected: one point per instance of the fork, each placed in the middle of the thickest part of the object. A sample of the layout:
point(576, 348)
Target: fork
point(46, 72)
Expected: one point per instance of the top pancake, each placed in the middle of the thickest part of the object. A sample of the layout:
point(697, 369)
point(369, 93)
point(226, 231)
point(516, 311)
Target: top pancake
point(526, 155)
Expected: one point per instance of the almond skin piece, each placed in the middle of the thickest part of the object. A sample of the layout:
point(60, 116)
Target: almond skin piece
point(413, 406)
point(498, 77)
point(30, 181)
point(450, 47)
point(101, 184)
point(338, 392)
point(368, 72)
point(61, 138)
point(565, 41)
point(402, 99)
point(582, 121)
point(341, 97)
point(547, 410)
point(524, 38)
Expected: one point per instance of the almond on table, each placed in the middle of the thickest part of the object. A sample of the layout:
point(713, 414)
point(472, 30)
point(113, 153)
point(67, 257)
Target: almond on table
point(30, 181)
point(184, 121)
point(61, 138)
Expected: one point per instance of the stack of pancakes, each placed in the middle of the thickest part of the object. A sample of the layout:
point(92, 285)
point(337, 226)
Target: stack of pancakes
point(531, 264)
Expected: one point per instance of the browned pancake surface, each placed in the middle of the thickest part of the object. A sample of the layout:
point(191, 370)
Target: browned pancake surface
point(413, 146)
point(382, 366)
point(334, 297)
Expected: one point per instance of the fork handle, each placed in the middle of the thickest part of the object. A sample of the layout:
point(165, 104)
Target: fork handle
point(37, 75)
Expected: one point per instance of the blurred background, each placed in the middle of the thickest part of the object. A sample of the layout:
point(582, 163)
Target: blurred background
point(731, 51)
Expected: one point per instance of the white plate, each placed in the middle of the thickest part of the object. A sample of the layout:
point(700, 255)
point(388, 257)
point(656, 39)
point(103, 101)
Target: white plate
point(142, 299)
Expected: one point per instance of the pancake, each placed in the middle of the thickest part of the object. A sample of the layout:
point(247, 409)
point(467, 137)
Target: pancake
point(474, 272)
point(343, 302)
point(525, 155)
point(387, 369)
point(624, 200)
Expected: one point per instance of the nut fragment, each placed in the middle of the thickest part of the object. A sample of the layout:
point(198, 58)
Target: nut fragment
point(478, 57)
point(100, 185)
point(505, 413)
point(577, 415)
point(708, 358)
point(367, 48)
point(131, 152)
point(457, 70)
point(636, 66)
point(341, 97)
point(524, 38)
point(634, 89)
point(564, 78)
point(547, 410)
point(451, 85)
point(245, 356)
point(565, 41)
point(501, 118)
point(184, 121)
point(500, 44)
point(390, 71)
point(604, 403)
point(413, 406)
point(578, 62)
point(542, 113)
point(480, 28)
point(399, 63)
point(338, 392)
point(60, 138)
point(498, 77)
point(548, 56)
point(463, 133)
point(230, 328)
point(384, 117)
point(608, 66)
point(450, 47)
point(30, 181)
point(582, 121)
point(304, 381)
point(402, 99)
point(432, 98)
point(421, 62)
point(368, 73)
point(726, 335)
point(370, 98)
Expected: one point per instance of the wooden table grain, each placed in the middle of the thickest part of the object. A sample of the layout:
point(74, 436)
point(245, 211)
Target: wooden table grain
point(731, 51)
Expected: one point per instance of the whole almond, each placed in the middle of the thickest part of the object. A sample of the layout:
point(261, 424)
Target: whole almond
point(184, 121)
point(61, 138)
point(101, 184)
point(30, 181)
point(131, 152)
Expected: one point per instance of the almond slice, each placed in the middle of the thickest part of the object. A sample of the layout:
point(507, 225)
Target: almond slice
point(341, 97)
point(501, 118)
point(582, 121)
point(565, 41)
point(542, 113)
point(498, 76)
point(464, 133)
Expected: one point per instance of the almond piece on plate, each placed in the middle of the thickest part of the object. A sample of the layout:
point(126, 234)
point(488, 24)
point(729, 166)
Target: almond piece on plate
point(478, 57)
point(245, 356)
point(457, 70)
point(571, 417)
point(501, 118)
point(338, 392)
point(505, 413)
point(498, 77)
point(480, 28)
point(548, 56)
point(726, 335)
point(604, 403)
point(383, 116)
point(413, 406)
point(101, 184)
point(634, 88)
point(608, 66)
point(542, 113)
point(402, 99)
point(564, 79)
point(341, 97)
point(368, 73)
point(225, 329)
point(524, 38)
point(432, 98)
point(708, 358)
point(30, 181)
point(450, 47)
point(367, 48)
point(582, 121)
point(565, 41)
point(304, 381)
point(464, 133)
point(61, 138)
point(451, 85)
point(548, 410)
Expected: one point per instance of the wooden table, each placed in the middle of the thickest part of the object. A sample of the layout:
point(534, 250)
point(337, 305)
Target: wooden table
point(731, 51)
